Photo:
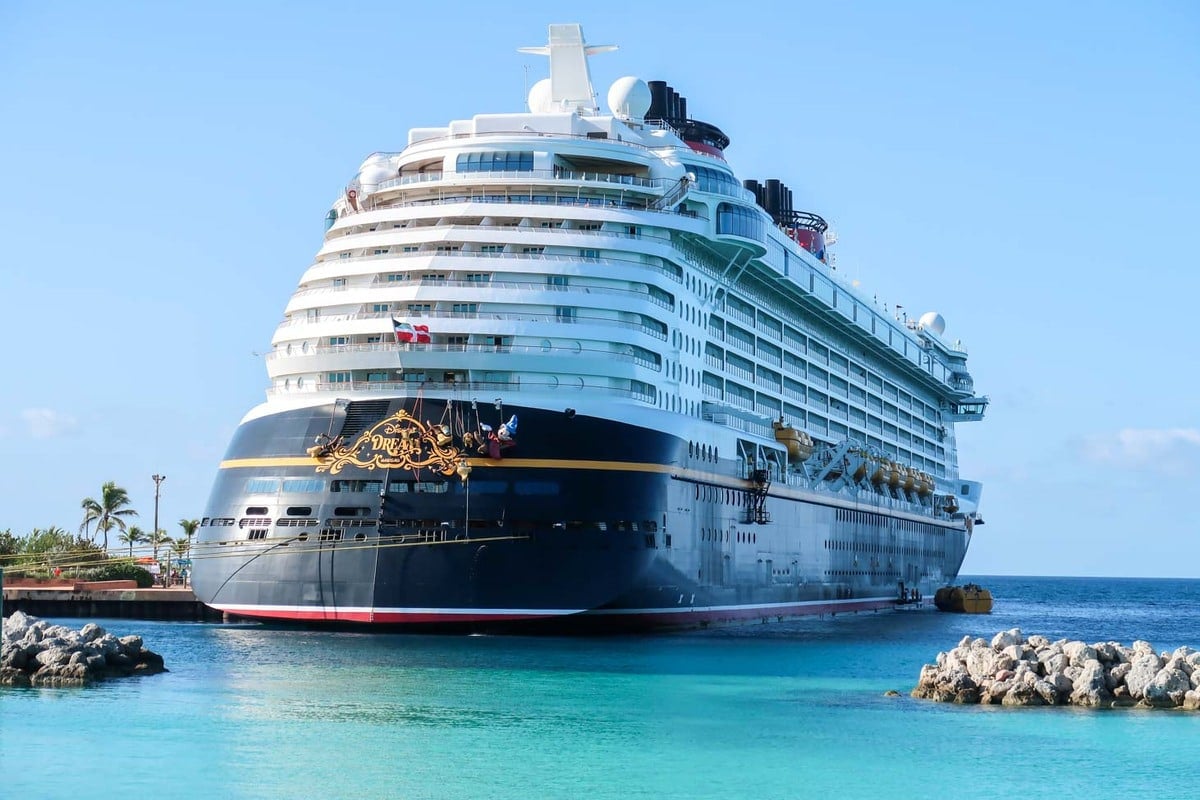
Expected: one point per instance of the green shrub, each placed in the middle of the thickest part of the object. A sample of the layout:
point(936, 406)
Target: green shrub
point(121, 572)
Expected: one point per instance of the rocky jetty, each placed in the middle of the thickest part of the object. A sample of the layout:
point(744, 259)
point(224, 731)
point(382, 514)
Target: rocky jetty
point(35, 653)
point(1013, 670)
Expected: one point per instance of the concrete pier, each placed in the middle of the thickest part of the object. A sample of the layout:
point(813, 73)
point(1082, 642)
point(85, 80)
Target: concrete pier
point(90, 602)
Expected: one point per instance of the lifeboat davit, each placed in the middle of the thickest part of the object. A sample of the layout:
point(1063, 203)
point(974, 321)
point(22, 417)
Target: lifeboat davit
point(798, 443)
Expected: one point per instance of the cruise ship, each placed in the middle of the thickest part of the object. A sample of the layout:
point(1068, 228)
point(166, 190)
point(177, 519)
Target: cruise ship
point(563, 368)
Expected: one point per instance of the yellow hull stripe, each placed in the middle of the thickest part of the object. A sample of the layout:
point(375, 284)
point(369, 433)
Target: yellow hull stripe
point(526, 463)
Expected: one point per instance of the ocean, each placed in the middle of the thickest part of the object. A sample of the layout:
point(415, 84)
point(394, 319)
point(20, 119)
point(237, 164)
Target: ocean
point(784, 710)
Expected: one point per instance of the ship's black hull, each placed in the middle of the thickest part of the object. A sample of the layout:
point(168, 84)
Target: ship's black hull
point(584, 524)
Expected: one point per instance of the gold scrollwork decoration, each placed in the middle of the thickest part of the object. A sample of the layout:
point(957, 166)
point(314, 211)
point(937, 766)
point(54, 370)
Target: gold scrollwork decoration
point(397, 442)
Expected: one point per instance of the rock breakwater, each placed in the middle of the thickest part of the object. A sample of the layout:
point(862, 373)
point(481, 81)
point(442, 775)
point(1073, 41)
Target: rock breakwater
point(36, 653)
point(1013, 670)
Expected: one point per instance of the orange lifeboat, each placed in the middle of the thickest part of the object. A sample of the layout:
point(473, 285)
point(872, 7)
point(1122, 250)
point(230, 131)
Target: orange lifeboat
point(798, 443)
point(893, 474)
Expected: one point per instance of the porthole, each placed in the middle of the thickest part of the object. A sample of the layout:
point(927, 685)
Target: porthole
point(299, 383)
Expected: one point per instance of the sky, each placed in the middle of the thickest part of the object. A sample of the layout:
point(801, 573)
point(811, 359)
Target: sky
point(1029, 170)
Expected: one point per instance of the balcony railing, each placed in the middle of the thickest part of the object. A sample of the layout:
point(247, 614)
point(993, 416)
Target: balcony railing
point(537, 175)
point(405, 347)
point(412, 387)
point(523, 286)
point(412, 315)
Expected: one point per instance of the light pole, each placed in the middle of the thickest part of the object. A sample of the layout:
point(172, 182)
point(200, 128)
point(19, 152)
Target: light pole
point(158, 479)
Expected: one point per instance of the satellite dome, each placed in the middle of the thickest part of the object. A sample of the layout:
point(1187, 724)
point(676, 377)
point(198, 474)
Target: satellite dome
point(541, 97)
point(629, 98)
point(933, 321)
point(374, 171)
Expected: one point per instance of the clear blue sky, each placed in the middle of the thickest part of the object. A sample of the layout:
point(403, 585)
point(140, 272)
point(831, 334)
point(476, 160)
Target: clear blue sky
point(1029, 170)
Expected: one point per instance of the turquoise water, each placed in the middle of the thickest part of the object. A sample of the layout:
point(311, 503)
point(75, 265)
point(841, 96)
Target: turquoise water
point(771, 711)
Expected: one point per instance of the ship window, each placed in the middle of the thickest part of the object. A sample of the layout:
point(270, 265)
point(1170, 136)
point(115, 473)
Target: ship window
point(465, 308)
point(381, 307)
point(355, 486)
point(262, 486)
point(256, 510)
point(739, 221)
point(479, 277)
point(483, 487)
point(514, 161)
point(304, 485)
point(351, 511)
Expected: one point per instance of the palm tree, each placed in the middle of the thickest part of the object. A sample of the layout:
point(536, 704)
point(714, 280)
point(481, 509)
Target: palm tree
point(110, 511)
point(180, 548)
point(91, 511)
point(134, 535)
point(158, 539)
point(189, 528)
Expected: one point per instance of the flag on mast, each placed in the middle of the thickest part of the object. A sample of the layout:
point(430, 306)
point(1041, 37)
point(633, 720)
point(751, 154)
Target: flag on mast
point(407, 333)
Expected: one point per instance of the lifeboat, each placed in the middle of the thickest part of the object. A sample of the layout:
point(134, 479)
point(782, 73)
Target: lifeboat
point(910, 479)
point(860, 471)
point(798, 443)
point(967, 599)
point(880, 473)
point(924, 484)
point(950, 504)
point(893, 474)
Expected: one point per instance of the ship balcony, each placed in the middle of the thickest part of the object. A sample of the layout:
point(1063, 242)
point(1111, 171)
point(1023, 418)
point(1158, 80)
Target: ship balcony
point(509, 388)
point(374, 265)
point(455, 291)
point(530, 323)
point(970, 410)
point(436, 359)
point(651, 186)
